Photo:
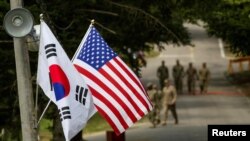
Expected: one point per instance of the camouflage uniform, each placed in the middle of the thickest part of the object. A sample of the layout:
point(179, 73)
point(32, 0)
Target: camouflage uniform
point(178, 73)
point(155, 97)
point(191, 78)
point(162, 74)
point(204, 75)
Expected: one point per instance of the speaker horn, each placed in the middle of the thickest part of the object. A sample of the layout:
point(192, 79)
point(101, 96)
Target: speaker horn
point(18, 22)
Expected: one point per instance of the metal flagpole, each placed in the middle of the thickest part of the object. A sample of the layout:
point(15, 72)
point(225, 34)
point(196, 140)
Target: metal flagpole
point(47, 106)
point(45, 109)
point(84, 39)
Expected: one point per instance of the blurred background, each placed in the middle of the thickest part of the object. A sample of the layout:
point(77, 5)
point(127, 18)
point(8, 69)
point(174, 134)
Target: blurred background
point(144, 33)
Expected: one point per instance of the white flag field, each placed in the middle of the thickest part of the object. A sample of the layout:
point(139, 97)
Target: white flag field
point(118, 94)
point(63, 84)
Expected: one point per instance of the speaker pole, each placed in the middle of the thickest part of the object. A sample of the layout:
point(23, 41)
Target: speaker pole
point(25, 93)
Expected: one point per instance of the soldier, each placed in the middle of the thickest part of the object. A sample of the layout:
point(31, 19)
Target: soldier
point(178, 73)
point(155, 97)
point(162, 73)
point(204, 75)
point(169, 101)
point(192, 76)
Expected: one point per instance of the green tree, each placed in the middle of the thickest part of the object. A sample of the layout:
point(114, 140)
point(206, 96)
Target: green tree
point(231, 22)
point(225, 19)
point(123, 24)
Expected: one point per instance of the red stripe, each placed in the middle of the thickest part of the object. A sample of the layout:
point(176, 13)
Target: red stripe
point(109, 120)
point(133, 77)
point(112, 108)
point(130, 113)
point(101, 97)
point(136, 80)
point(141, 113)
point(129, 85)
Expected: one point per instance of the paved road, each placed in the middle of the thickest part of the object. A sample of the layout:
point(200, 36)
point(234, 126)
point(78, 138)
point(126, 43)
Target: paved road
point(224, 104)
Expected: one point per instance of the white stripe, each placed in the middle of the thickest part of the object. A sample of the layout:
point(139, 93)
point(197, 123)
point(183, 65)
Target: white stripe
point(131, 72)
point(111, 115)
point(138, 89)
point(102, 91)
point(139, 82)
point(146, 98)
point(110, 99)
point(133, 97)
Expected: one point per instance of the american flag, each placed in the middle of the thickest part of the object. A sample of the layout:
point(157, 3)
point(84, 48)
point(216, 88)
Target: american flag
point(118, 94)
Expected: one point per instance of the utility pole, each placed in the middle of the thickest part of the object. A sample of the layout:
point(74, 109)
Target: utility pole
point(25, 93)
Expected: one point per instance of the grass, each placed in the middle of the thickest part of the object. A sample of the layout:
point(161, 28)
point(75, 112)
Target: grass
point(96, 124)
point(44, 132)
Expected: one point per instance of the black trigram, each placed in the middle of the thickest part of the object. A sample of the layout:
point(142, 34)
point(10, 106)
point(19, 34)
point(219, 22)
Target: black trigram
point(81, 94)
point(64, 113)
point(50, 50)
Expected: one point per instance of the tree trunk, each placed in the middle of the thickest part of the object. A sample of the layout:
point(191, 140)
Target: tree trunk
point(57, 128)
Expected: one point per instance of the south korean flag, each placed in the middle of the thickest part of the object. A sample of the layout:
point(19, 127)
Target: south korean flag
point(62, 83)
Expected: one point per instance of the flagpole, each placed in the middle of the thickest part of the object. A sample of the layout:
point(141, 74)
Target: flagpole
point(47, 106)
point(45, 109)
point(84, 39)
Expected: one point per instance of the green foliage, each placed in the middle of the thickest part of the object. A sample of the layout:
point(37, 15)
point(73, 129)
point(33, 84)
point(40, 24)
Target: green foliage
point(232, 25)
point(96, 124)
point(123, 24)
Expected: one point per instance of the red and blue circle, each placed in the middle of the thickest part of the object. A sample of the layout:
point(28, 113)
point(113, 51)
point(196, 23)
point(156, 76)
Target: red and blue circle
point(60, 82)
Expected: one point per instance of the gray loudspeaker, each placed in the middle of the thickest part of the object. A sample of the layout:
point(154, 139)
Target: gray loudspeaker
point(18, 22)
